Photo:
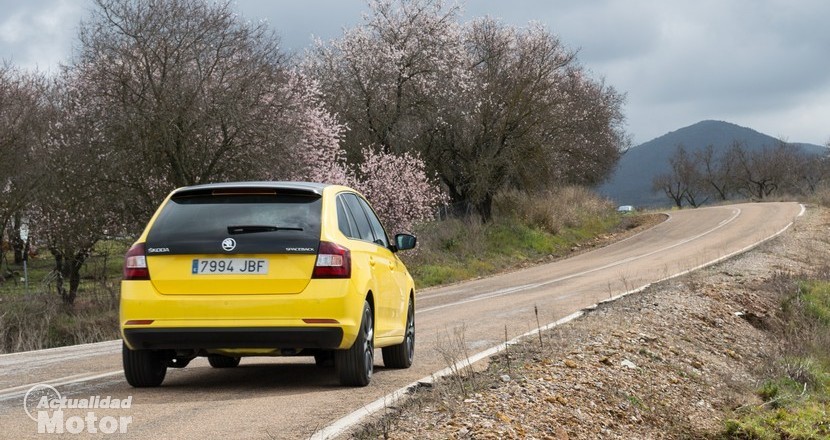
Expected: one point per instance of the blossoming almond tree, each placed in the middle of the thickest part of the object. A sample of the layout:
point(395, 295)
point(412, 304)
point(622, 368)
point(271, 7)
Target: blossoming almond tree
point(195, 95)
point(380, 78)
point(74, 209)
point(488, 106)
point(399, 188)
point(23, 116)
point(169, 93)
point(397, 185)
point(314, 136)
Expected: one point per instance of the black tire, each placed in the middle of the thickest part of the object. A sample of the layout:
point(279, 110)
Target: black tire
point(221, 361)
point(401, 355)
point(143, 368)
point(355, 365)
point(324, 359)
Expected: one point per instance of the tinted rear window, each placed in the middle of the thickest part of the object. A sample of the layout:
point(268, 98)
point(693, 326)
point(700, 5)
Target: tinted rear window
point(199, 223)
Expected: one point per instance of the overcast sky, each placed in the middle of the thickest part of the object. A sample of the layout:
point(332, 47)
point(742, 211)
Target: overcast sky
point(763, 64)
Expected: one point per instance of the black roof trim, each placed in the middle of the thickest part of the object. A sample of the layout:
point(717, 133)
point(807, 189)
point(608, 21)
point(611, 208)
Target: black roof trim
point(307, 187)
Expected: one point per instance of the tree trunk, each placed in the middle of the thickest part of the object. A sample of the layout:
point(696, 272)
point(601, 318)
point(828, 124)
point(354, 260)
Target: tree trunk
point(68, 268)
point(720, 190)
point(459, 205)
point(74, 277)
point(676, 197)
point(18, 245)
point(59, 273)
point(485, 208)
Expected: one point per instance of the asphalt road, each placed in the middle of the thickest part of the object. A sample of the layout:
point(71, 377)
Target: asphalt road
point(292, 398)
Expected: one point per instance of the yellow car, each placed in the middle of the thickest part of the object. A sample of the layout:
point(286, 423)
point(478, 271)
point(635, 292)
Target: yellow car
point(266, 269)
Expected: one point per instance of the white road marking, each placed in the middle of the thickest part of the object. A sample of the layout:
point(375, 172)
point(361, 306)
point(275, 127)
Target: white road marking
point(20, 391)
point(508, 291)
point(61, 353)
point(428, 294)
point(346, 423)
point(342, 425)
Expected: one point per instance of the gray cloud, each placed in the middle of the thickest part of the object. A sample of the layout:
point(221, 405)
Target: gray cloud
point(296, 22)
point(759, 63)
point(37, 34)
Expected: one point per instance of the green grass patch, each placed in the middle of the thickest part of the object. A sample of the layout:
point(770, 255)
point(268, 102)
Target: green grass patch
point(434, 274)
point(103, 266)
point(797, 399)
point(456, 250)
point(528, 228)
point(807, 420)
point(815, 296)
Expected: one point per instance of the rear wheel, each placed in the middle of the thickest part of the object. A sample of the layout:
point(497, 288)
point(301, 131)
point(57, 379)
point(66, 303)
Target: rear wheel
point(143, 368)
point(355, 365)
point(221, 361)
point(401, 355)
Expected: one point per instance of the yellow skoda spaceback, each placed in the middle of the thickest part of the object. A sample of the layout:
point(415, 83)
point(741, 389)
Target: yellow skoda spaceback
point(266, 269)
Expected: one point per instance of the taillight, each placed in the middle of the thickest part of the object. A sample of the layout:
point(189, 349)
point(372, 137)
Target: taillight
point(135, 263)
point(333, 261)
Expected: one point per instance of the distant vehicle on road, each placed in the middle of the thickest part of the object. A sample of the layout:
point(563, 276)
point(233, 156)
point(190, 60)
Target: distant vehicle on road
point(626, 208)
point(266, 269)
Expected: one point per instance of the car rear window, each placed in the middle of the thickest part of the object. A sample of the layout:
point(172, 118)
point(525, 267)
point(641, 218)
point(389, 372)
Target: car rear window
point(260, 223)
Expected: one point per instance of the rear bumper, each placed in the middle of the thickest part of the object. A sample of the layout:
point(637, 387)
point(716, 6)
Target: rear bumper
point(231, 338)
point(239, 321)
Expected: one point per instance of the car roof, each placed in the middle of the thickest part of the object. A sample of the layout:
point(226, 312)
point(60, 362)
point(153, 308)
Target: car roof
point(312, 187)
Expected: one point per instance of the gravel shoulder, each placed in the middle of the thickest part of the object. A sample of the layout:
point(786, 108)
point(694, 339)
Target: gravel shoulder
point(672, 361)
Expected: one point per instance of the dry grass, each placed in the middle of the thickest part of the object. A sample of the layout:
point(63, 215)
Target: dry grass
point(35, 318)
point(821, 197)
point(795, 385)
point(776, 373)
point(525, 230)
point(552, 210)
point(41, 321)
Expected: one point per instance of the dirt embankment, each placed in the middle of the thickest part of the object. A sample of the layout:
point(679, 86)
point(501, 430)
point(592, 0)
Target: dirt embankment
point(670, 362)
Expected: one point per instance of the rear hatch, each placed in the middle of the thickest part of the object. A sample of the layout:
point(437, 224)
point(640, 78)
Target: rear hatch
point(235, 240)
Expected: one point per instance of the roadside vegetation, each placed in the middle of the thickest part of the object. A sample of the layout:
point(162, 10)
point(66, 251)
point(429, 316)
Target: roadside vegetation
point(35, 317)
point(526, 229)
point(417, 107)
point(796, 389)
point(740, 350)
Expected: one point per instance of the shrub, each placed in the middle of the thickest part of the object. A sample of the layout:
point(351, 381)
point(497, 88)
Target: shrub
point(552, 210)
point(821, 197)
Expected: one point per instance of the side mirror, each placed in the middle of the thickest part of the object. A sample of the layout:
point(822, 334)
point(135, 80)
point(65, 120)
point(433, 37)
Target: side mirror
point(405, 241)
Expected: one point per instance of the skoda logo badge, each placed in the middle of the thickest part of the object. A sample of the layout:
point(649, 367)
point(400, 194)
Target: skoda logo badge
point(228, 244)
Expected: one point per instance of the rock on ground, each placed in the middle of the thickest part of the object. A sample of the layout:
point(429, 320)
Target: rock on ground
point(670, 362)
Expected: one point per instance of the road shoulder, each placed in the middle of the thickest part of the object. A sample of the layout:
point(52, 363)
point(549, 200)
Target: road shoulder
point(671, 361)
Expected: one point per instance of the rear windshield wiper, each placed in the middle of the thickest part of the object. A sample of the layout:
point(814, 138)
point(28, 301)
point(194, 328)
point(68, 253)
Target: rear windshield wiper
point(250, 229)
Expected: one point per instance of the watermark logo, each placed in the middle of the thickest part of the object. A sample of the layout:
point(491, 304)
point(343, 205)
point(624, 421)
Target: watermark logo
point(56, 414)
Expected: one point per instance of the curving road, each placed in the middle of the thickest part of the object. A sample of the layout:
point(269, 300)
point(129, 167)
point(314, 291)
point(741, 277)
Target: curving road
point(292, 398)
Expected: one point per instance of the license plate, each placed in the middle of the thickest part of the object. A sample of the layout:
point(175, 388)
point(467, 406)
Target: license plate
point(223, 266)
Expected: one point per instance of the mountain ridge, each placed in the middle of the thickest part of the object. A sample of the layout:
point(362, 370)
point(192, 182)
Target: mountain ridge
point(630, 184)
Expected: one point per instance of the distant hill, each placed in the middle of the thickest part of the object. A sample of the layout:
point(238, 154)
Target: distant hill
point(631, 182)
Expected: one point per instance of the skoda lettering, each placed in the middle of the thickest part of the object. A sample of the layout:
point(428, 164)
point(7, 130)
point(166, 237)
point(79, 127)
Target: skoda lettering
point(231, 270)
